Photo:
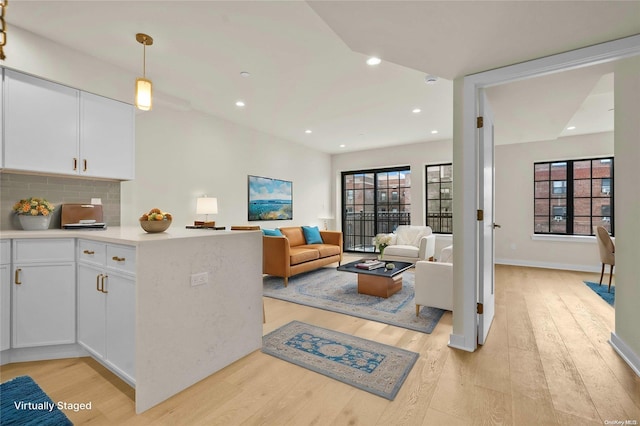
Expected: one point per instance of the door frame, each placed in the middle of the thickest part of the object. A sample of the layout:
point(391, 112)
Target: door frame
point(466, 94)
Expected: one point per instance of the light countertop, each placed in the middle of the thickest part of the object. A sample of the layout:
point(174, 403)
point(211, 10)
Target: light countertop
point(128, 235)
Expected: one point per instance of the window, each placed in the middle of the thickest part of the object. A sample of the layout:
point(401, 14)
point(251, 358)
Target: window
point(439, 197)
point(573, 196)
point(374, 201)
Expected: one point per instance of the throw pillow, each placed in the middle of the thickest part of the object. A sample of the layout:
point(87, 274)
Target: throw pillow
point(312, 235)
point(272, 232)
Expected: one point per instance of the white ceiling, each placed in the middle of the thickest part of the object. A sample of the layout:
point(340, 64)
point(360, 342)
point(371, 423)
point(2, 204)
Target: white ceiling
point(307, 61)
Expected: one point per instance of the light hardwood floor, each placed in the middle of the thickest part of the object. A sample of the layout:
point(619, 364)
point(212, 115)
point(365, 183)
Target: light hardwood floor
point(547, 361)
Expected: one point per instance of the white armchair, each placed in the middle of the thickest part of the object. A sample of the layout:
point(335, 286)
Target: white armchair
point(410, 244)
point(434, 283)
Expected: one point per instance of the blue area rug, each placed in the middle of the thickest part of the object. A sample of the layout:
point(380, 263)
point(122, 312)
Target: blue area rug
point(370, 366)
point(336, 291)
point(602, 291)
point(22, 402)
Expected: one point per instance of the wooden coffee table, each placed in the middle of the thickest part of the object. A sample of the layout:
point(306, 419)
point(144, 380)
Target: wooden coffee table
point(379, 282)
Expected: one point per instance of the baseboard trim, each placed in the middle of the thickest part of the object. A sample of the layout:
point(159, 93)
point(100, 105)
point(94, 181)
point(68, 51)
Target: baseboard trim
point(457, 341)
point(626, 353)
point(547, 265)
point(40, 353)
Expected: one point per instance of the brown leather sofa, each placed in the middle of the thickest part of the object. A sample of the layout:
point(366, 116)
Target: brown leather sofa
point(291, 255)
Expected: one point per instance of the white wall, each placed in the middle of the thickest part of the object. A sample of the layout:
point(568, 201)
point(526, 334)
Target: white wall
point(183, 155)
point(514, 204)
point(627, 203)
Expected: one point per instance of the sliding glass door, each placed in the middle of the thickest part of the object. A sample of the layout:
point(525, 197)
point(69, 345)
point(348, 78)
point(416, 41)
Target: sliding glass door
point(374, 201)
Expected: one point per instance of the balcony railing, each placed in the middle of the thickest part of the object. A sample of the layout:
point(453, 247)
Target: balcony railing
point(360, 228)
point(440, 222)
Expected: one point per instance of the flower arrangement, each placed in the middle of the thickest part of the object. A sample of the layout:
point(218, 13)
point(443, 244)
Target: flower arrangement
point(33, 207)
point(381, 241)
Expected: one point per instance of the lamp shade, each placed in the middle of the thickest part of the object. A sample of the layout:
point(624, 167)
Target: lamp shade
point(143, 94)
point(207, 205)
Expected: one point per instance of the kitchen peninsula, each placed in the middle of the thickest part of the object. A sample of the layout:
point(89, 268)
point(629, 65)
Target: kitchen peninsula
point(197, 307)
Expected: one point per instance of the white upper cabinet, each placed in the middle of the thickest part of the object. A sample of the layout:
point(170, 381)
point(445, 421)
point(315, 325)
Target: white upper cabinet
point(106, 137)
point(41, 125)
point(52, 128)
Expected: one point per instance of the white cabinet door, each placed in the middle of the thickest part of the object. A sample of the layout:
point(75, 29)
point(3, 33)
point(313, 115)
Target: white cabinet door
point(121, 323)
point(107, 139)
point(41, 125)
point(5, 307)
point(1, 116)
point(44, 304)
point(91, 309)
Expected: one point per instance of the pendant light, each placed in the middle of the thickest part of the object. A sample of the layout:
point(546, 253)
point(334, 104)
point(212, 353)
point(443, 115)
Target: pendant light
point(143, 84)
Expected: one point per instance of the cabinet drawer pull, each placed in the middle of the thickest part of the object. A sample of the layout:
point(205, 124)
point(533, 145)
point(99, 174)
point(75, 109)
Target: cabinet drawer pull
point(84, 169)
point(102, 286)
point(118, 259)
point(75, 163)
point(17, 277)
point(89, 252)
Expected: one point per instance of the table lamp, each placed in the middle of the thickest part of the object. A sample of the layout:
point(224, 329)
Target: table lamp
point(206, 206)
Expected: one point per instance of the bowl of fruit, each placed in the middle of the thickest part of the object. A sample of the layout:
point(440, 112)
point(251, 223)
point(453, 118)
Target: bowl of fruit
point(155, 221)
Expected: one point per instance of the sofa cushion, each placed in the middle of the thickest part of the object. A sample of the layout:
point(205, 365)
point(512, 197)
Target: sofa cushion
point(272, 232)
point(325, 250)
point(312, 235)
point(295, 235)
point(402, 250)
point(302, 254)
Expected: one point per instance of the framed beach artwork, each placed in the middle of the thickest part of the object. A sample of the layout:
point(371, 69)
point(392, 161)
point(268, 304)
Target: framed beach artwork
point(270, 199)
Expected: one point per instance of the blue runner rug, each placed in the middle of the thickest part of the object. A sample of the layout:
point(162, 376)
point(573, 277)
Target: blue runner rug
point(332, 290)
point(602, 291)
point(23, 403)
point(371, 366)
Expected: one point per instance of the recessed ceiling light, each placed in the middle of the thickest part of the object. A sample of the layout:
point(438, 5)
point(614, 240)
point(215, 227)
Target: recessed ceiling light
point(239, 103)
point(434, 132)
point(571, 127)
point(342, 145)
point(245, 74)
point(373, 61)
point(416, 110)
point(307, 131)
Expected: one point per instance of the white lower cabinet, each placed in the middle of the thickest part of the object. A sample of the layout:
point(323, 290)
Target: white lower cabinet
point(43, 288)
point(106, 307)
point(5, 294)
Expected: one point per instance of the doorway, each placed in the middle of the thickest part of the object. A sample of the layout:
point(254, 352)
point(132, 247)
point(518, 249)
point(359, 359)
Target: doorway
point(466, 245)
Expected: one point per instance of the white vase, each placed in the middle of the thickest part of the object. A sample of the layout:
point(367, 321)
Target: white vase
point(34, 223)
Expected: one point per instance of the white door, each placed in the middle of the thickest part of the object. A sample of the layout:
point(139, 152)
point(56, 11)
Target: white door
point(121, 324)
point(486, 225)
point(91, 310)
point(5, 307)
point(40, 125)
point(44, 304)
point(107, 139)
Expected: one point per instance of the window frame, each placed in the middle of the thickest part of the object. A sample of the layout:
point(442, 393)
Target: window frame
point(571, 198)
point(384, 210)
point(439, 215)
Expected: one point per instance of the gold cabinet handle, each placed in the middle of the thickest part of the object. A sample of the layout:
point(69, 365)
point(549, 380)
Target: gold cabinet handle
point(17, 277)
point(102, 286)
point(75, 163)
point(89, 252)
point(84, 167)
point(98, 282)
point(118, 259)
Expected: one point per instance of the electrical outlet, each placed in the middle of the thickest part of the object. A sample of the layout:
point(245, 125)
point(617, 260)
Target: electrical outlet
point(199, 279)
